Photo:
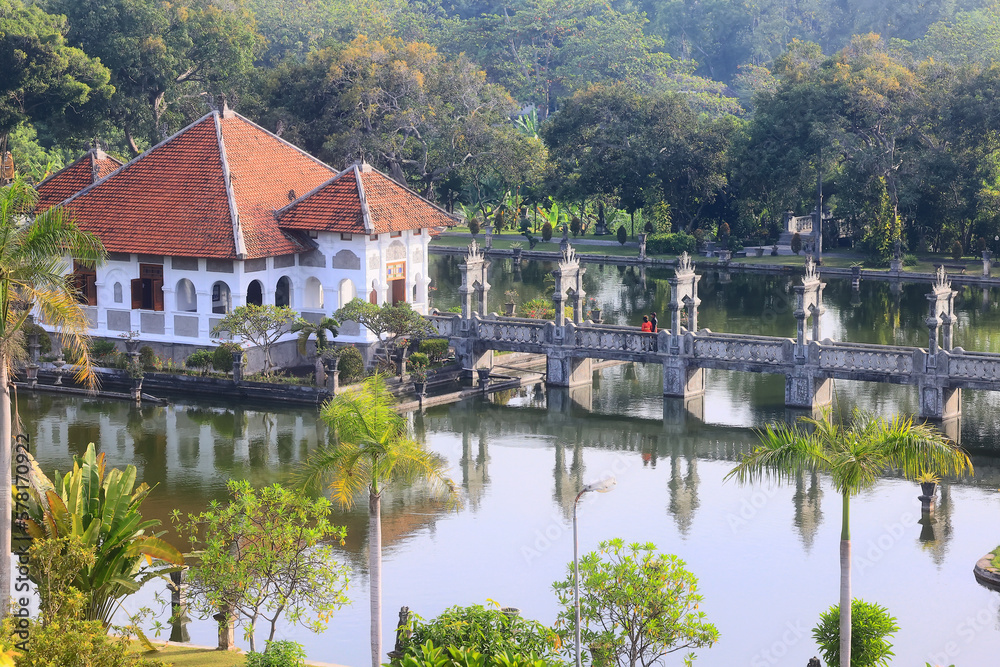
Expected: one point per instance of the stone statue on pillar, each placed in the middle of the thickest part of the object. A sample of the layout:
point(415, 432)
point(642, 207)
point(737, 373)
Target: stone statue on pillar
point(569, 286)
point(475, 288)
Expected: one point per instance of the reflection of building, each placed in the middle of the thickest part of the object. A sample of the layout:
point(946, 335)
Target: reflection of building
point(224, 214)
point(568, 480)
point(475, 470)
point(808, 509)
point(683, 487)
point(935, 527)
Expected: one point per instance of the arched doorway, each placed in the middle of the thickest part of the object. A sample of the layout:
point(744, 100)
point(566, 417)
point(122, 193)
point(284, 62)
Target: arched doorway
point(283, 292)
point(186, 296)
point(255, 293)
point(313, 297)
point(222, 298)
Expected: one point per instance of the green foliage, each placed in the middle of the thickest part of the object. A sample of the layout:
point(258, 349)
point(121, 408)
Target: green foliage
point(435, 348)
point(575, 226)
point(473, 226)
point(101, 349)
point(324, 330)
point(956, 250)
point(995, 562)
point(419, 360)
point(277, 654)
point(351, 365)
point(538, 309)
point(147, 358)
point(261, 325)
point(429, 655)
point(390, 323)
point(622, 235)
point(547, 232)
point(871, 627)
point(266, 554)
point(222, 356)
point(102, 509)
point(486, 630)
point(200, 359)
point(635, 603)
point(44, 340)
point(796, 243)
point(671, 244)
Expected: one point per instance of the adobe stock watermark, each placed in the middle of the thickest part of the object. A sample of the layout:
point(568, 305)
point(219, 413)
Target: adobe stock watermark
point(20, 541)
point(545, 538)
point(793, 633)
point(870, 554)
point(963, 635)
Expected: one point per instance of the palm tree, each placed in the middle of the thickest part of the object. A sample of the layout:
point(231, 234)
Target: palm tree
point(855, 457)
point(33, 264)
point(374, 450)
point(306, 330)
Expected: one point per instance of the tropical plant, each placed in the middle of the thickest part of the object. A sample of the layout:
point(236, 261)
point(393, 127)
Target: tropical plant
point(352, 364)
point(488, 630)
point(871, 627)
point(622, 234)
point(435, 348)
point(854, 456)
point(390, 323)
point(261, 325)
point(277, 654)
point(796, 243)
point(199, 359)
point(222, 356)
point(429, 655)
point(547, 232)
point(636, 604)
point(263, 555)
point(102, 508)
point(32, 276)
point(306, 330)
point(374, 450)
point(927, 478)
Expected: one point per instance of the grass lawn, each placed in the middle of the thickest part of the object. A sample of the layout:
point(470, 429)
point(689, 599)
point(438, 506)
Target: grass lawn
point(996, 559)
point(188, 656)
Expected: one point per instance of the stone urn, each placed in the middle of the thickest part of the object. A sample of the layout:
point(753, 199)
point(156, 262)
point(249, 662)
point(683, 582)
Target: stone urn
point(517, 255)
point(137, 389)
point(420, 388)
point(774, 250)
point(484, 376)
point(595, 315)
point(508, 309)
point(59, 363)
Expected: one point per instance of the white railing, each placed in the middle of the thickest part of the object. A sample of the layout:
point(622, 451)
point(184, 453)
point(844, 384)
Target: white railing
point(870, 358)
point(800, 224)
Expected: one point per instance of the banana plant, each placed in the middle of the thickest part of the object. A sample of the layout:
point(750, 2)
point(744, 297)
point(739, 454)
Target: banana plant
point(103, 511)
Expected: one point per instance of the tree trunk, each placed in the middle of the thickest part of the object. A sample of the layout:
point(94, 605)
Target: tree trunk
point(374, 571)
point(5, 484)
point(253, 631)
point(845, 586)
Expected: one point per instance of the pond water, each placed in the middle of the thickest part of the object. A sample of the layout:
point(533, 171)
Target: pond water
point(766, 557)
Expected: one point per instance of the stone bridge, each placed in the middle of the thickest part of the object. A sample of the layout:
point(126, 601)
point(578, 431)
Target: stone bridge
point(685, 352)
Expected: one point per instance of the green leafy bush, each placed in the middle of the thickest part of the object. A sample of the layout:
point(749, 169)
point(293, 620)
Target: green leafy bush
point(489, 631)
point(351, 365)
point(871, 626)
point(539, 309)
point(101, 349)
point(909, 260)
point(622, 234)
point(473, 226)
point(419, 360)
point(547, 232)
point(435, 348)
point(44, 340)
point(147, 358)
point(575, 226)
point(199, 359)
point(796, 243)
point(277, 654)
point(429, 655)
point(956, 250)
point(222, 357)
point(671, 244)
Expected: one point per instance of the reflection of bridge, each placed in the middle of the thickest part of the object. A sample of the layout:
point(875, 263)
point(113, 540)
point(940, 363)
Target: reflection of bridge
point(808, 364)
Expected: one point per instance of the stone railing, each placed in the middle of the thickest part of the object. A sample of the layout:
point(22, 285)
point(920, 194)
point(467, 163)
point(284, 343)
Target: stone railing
point(972, 366)
point(605, 337)
point(444, 325)
point(750, 349)
point(865, 358)
point(508, 330)
point(800, 224)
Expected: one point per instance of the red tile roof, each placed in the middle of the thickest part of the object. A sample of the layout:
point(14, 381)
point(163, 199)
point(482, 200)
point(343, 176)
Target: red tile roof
point(93, 166)
point(208, 191)
point(380, 205)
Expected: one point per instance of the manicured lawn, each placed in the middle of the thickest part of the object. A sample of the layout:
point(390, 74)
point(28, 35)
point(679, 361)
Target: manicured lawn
point(187, 656)
point(996, 559)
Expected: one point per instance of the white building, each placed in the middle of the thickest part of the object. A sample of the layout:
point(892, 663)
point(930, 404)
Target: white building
point(223, 214)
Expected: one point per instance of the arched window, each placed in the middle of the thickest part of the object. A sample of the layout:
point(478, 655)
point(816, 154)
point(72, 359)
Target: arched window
point(222, 299)
point(283, 292)
point(347, 291)
point(118, 292)
point(313, 297)
point(255, 293)
point(187, 297)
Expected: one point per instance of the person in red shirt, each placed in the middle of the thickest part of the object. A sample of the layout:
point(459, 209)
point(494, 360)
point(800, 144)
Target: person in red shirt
point(646, 324)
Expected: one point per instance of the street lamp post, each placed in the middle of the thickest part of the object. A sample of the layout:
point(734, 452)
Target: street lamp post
point(602, 486)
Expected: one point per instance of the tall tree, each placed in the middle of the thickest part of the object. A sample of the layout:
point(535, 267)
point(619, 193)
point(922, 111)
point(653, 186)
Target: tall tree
point(855, 456)
point(32, 277)
point(163, 57)
point(44, 78)
point(374, 451)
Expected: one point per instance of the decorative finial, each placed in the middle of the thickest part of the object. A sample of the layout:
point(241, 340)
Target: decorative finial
point(810, 268)
point(474, 252)
point(684, 263)
point(568, 255)
point(942, 277)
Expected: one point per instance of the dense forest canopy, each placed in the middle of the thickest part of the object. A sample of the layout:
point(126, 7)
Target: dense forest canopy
point(707, 115)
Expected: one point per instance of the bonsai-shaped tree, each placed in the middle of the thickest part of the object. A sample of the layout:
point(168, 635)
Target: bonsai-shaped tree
point(854, 456)
point(391, 323)
point(622, 234)
point(261, 325)
point(636, 605)
point(796, 243)
point(265, 554)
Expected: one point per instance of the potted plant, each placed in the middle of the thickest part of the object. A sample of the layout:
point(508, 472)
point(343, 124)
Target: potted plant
point(419, 377)
point(595, 310)
point(928, 483)
point(517, 248)
point(136, 373)
point(510, 304)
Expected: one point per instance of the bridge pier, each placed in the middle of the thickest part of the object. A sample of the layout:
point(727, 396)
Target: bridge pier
point(681, 379)
point(472, 355)
point(808, 391)
point(564, 370)
point(680, 411)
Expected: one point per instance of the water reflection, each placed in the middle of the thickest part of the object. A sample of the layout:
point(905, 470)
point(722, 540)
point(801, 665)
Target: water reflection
point(936, 526)
point(808, 506)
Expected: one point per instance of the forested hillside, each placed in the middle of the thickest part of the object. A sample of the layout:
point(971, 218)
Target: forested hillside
point(700, 116)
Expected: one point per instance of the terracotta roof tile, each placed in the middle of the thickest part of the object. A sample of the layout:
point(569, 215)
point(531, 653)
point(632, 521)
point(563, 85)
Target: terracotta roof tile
point(336, 206)
point(91, 167)
point(175, 200)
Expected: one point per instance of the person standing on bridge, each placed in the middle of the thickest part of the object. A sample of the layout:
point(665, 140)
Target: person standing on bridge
point(652, 322)
point(646, 324)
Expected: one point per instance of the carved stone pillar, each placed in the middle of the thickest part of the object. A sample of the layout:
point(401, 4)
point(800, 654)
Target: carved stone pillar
point(475, 288)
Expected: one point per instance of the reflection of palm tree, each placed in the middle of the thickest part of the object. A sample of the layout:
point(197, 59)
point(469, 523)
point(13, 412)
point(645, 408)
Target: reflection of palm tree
point(808, 510)
point(683, 487)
